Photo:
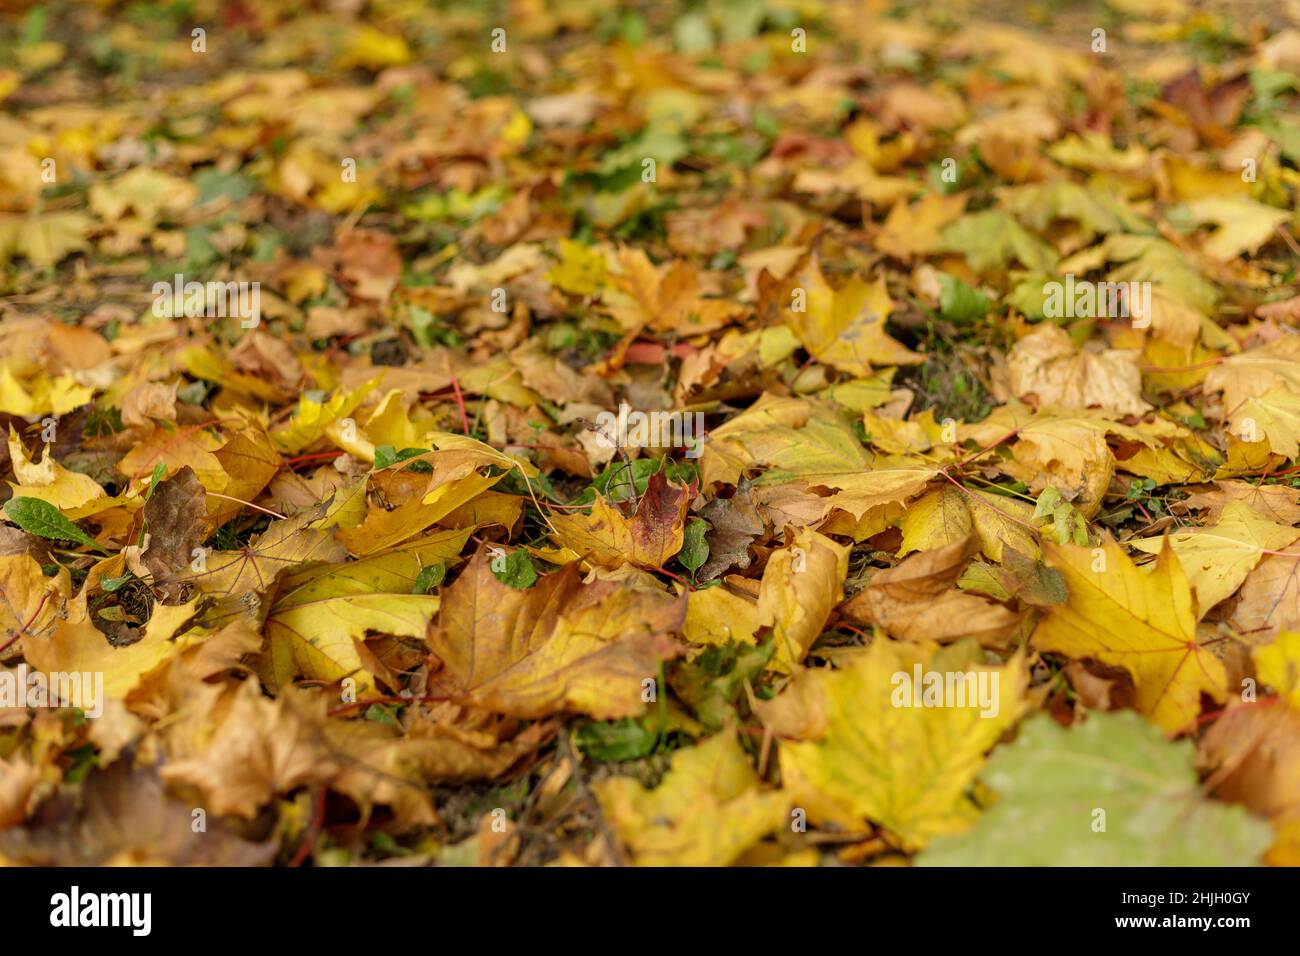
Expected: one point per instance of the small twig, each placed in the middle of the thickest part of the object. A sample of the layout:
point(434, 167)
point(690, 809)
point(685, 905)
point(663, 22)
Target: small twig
point(678, 578)
point(23, 630)
point(313, 833)
point(317, 456)
point(965, 460)
point(1291, 243)
point(265, 511)
point(460, 404)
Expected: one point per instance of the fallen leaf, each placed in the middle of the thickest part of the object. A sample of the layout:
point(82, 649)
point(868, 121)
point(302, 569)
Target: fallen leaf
point(557, 646)
point(127, 818)
point(1218, 559)
point(918, 600)
point(1144, 622)
point(1045, 364)
point(845, 327)
point(733, 525)
point(319, 615)
point(885, 758)
point(175, 520)
point(648, 539)
point(48, 480)
point(1269, 599)
point(1110, 791)
point(1278, 665)
point(250, 749)
point(706, 811)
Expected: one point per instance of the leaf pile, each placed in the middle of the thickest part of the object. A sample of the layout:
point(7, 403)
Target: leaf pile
point(734, 432)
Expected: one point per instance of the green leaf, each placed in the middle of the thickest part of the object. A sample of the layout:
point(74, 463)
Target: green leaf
point(626, 739)
point(1028, 295)
point(41, 518)
point(1057, 788)
point(429, 578)
point(516, 570)
point(712, 683)
point(693, 34)
point(695, 550)
point(619, 477)
point(382, 714)
point(386, 455)
point(1047, 502)
point(664, 146)
point(217, 185)
point(1038, 205)
point(991, 239)
point(1285, 134)
point(959, 303)
point(159, 470)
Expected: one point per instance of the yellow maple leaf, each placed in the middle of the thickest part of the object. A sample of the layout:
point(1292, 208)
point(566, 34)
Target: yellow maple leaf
point(557, 646)
point(914, 230)
point(48, 480)
point(939, 518)
point(391, 424)
point(44, 239)
point(856, 178)
point(795, 435)
point(707, 810)
point(845, 327)
point(312, 418)
point(801, 585)
point(1218, 559)
point(891, 751)
point(1273, 417)
point(30, 603)
point(717, 616)
point(150, 194)
point(10, 80)
point(581, 269)
point(373, 48)
point(866, 492)
point(202, 363)
point(1278, 665)
point(321, 613)
point(647, 539)
point(1068, 453)
point(1243, 224)
point(250, 462)
point(255, 567)
point(77, 646)
point(667, 300)
point(1003, 522)
point(1256, 371)
point(1143, 622)
point(42, 395)
point(460, 474)
point(177, 447)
